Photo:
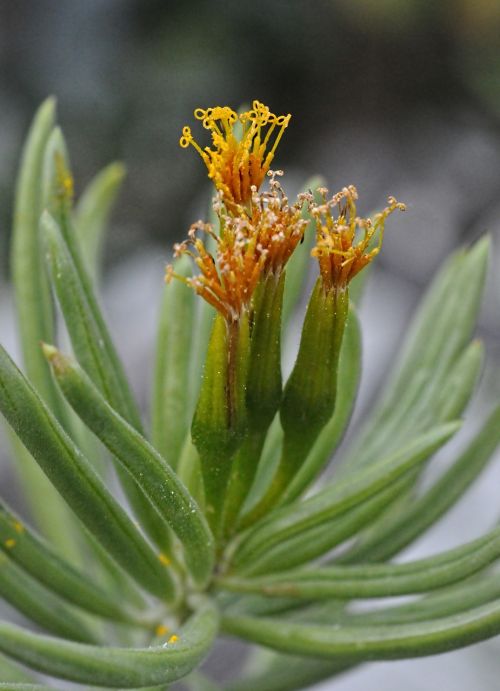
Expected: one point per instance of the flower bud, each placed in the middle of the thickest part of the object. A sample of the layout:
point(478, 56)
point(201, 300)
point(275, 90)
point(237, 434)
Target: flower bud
point(219, 422)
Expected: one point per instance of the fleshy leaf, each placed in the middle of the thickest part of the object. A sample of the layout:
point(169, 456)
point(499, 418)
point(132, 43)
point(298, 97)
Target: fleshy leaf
point(157, 480)
point(75, 479)
point(114, 667)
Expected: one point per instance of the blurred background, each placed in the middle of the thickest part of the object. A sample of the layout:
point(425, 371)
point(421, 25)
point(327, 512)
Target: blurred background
point(396, 96)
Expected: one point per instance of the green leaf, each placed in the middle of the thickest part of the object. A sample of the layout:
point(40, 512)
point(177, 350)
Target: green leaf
point(32, 295)
point(334, 500)
point(61, 243)
point(331, 435)
point(24, 687)
point(474, 592)
point(36, 321)
point(114, 667)
point(376, 580)
point(189, 472)
point(37, 558)
point(171, 405)
point(92, 213)
point(350, 644)
point(38, 604)
point(461, 382)
point(269, 671)
point(199, 682)
point(12, 672)
point(94, 350)
point(318, 540)
point(157, 479)
point(416, 517)
point(72, 475)
point(435, 341)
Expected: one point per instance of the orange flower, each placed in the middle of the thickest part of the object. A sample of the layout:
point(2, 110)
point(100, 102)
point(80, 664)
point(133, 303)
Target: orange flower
point(340, 254)
point(238, 160)
point(246, 250)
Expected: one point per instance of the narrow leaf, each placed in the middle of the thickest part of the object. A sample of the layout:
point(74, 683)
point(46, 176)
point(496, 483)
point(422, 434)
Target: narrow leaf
point(72, 475)
point(35, 320)
point(474, 592)
point(320, 539)
point(13, 673)
point(171, 407)
point(395, 534)
point(334, 500)
point(362, 643)
point(36, 557)
point(436, 339)
point(114, 667)
point(38, 604)
point(92, 213)
point(158, 481)
point(94, 350)
point(26, 687)
point(32, 295)
point(271, 671)
point(378, 580)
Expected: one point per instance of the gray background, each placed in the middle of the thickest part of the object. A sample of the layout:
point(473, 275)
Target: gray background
point(397, 97)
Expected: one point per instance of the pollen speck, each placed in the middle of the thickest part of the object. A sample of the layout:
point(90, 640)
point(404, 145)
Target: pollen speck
point(162, 630)
point(10, 543)
point(173, 639)
point(18, 527)
point(164, 559)
point(64, 179)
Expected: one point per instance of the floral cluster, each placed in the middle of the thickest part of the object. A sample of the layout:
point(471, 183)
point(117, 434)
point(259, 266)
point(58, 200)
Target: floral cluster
point(241, 261)
point(259, 230)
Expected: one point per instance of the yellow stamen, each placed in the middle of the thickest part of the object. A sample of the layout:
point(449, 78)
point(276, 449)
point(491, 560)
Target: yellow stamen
point(173, 639)
point(246, 250)
point(10, 543)
point(238, 163)
point(340, 254)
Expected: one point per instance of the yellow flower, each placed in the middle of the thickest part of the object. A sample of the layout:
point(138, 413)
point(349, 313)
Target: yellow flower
point(238, 161)
point(246, 250)
point(341, 255)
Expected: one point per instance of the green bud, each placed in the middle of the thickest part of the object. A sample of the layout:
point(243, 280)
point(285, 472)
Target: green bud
point(263, 395)
point(310, 392)
point(264, 387)
point(309, 396)
point(220, 421)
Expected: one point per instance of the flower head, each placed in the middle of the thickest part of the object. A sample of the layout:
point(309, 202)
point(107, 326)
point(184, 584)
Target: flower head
point(238, 161)
point(278, 225)
point(228, 279)
point(343, 241)
point(246, 249)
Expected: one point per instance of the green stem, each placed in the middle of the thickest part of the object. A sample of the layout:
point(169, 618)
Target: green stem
point(243, 471)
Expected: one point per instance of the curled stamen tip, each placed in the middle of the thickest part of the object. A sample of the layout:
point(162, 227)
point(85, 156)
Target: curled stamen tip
point(186, 137)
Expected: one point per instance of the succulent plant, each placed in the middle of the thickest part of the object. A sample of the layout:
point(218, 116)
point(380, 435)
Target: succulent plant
point(148, 545)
